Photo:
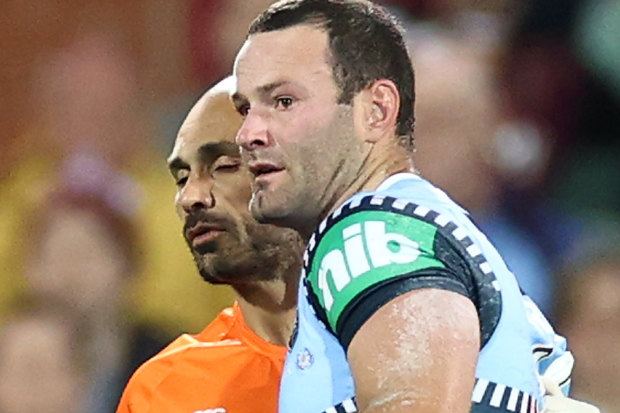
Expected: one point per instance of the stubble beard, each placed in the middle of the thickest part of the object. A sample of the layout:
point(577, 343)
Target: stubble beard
point(267, 253)
point(283, 208)
point(321, 173)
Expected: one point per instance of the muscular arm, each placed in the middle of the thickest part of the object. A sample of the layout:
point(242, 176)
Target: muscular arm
point(417, 353)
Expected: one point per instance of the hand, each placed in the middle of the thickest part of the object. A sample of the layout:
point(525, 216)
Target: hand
point(556, 402)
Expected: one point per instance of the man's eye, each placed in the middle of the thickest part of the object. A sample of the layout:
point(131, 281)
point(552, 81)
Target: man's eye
point(181, 181)
point(243, 109)
point(227, 167)
point(226, 164)
point(284, 102)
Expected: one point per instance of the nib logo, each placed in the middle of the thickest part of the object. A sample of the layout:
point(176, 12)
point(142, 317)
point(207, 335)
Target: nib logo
point(365, 246)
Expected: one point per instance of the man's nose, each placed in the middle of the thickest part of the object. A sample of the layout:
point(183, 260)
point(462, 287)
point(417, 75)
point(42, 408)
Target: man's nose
point(197, 193)
point(253, 132)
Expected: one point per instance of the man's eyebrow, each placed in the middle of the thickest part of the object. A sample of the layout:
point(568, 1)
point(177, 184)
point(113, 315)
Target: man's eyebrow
point(270, 87)
point(207, 153)
point(262, 90)
point(175, 164)
point(210, 150)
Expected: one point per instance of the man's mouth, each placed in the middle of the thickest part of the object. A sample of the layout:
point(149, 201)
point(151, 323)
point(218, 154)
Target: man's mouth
point(261, 169)
point(203, 233)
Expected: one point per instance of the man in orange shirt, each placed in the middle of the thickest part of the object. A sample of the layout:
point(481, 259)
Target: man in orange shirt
point(234, 365)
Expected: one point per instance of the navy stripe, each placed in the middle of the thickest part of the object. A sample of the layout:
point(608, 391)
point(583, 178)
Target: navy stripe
point(489, 397)
point(347, 406)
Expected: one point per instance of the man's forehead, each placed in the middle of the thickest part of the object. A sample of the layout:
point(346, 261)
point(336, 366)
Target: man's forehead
point(205, 151)
point(213, 119)
point(297, 48)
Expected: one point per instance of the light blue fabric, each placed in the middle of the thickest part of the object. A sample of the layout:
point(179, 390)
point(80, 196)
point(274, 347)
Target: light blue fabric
point(522, 344)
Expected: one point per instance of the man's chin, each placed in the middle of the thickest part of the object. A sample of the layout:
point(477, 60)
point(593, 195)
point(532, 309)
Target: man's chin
point(205, 248)
point(219, 262)
point(208, 277)
point(206, 268)
point(267, 210)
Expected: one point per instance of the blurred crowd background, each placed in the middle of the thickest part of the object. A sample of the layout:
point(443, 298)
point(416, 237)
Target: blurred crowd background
point(518, 118)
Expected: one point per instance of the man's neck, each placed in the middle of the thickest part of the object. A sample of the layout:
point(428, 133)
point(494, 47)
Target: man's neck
point(385, 158)
point(268, 308)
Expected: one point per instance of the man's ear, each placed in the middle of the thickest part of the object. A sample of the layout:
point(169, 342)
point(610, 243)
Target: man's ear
point(379, 104)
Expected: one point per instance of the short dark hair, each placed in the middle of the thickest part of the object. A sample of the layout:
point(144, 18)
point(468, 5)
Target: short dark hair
point(366, 44)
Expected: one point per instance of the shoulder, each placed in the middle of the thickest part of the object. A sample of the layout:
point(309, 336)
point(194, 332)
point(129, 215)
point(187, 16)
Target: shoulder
point(215, 359)
point(185, 348)
point(187, 360)
point(405, 235)
point(404, 197)
point(207, 346)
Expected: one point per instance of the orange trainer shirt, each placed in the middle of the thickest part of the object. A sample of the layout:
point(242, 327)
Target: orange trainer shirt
point(226, 368)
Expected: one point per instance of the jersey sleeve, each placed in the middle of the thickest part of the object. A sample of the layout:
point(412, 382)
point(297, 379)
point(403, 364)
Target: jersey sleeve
point(365, 256)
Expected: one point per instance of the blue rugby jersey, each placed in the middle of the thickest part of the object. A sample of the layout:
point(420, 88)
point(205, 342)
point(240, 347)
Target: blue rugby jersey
point(404, 236)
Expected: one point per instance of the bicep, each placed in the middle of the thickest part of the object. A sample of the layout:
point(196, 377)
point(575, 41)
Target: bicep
point(418, 352)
